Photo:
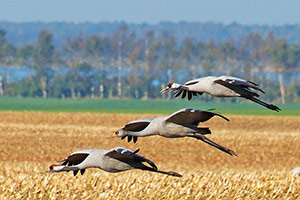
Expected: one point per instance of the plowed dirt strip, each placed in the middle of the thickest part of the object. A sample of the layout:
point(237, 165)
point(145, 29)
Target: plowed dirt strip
point(267, 147)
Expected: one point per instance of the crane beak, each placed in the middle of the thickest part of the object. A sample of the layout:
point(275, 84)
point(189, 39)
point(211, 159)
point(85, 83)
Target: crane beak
point(46, 171)
point(165, 90)
point(113, 135)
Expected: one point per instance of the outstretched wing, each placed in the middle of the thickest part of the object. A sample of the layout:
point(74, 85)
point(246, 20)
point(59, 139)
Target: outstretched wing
point(230, 82)
point(137, 125)
point(127, 156)
point(75, 159)
point(191, 116)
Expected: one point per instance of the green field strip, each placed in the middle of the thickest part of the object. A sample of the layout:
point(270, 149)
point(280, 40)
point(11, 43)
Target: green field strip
point(138, 106)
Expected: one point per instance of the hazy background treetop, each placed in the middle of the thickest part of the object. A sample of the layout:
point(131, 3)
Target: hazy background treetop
point(21, 33)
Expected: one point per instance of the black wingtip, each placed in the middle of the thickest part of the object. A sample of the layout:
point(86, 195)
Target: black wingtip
point(183, 94)
point(152, 164)
point(205, 131)
point(190, 95)
point(223, 117)
point(251, 82)
point(129, 138)
point(136, 151)
point(178, 93)
point(75, 172)
point(211, 109)
point(135, 139)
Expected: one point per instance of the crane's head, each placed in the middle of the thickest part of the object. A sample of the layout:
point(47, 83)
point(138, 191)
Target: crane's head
point(61, 168)
point(119, 133)
point(171, 86)
point(55, 168)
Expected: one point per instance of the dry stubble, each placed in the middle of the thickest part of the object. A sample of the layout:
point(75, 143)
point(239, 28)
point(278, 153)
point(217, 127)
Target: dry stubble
point(267, 148)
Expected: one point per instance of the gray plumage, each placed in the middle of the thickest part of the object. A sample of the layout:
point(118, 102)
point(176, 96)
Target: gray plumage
point(222, 86)
point(183, 123)
point(114, 160)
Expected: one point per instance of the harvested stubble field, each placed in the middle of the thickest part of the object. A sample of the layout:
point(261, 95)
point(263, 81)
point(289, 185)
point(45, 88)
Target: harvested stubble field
point(267, 148)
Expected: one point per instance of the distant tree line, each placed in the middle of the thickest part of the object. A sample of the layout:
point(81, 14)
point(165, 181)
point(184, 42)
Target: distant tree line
point(122, 65)
point(27, 32)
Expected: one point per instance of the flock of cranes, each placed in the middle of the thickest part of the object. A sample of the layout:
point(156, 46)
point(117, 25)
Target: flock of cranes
point(182, 123)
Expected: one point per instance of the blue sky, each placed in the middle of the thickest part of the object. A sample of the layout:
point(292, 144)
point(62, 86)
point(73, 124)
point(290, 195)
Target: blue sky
point(271, 12)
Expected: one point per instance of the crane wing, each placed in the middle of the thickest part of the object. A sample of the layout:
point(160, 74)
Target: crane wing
point(128, 156)
point(137, 125)
point(229, 82)
point(191, 116)
point(75, 159)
